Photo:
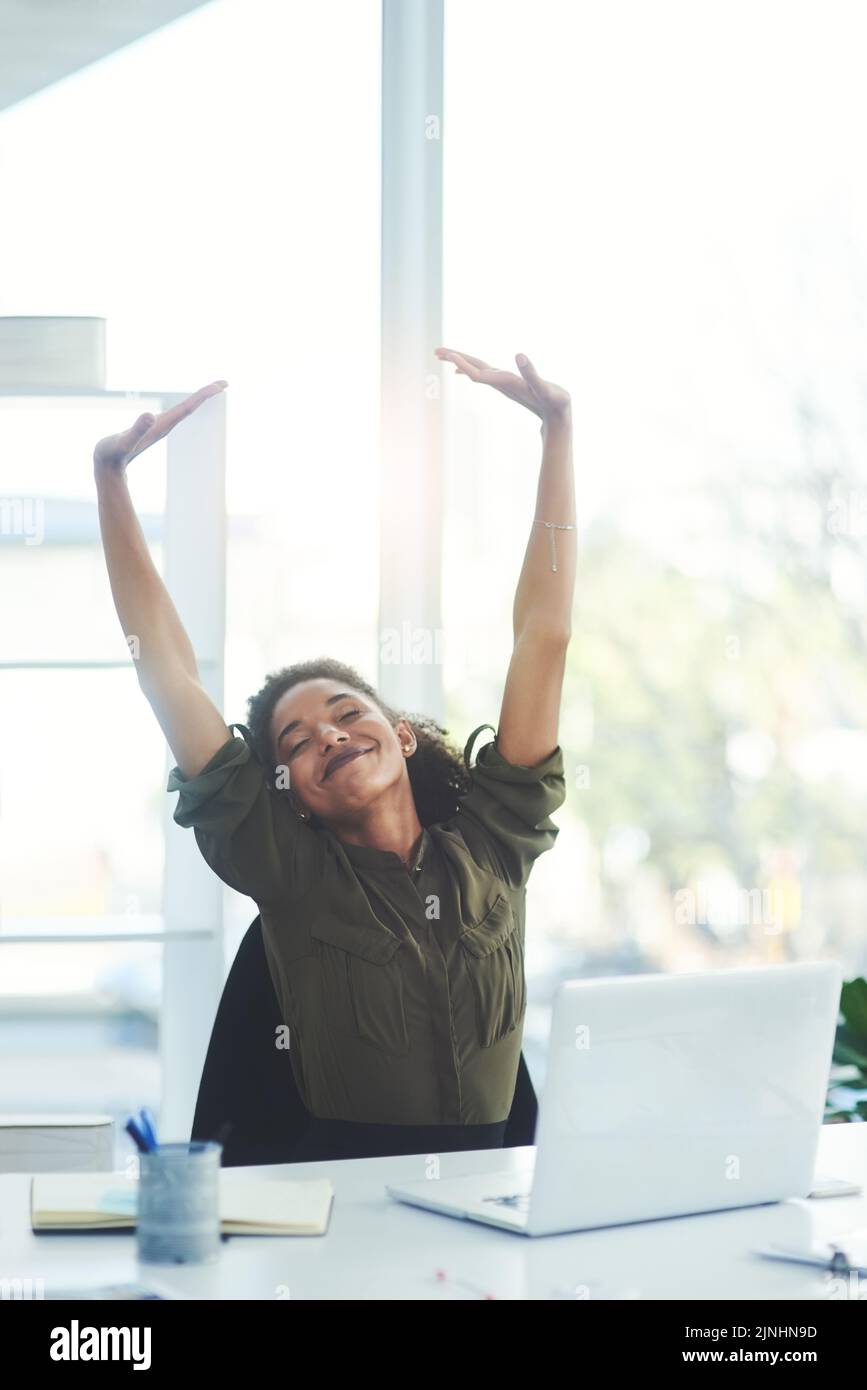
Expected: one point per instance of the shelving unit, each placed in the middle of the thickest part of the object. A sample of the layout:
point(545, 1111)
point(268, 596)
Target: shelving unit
point(190, 927)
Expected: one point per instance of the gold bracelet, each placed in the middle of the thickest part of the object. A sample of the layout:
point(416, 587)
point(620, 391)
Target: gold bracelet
point(552, 527)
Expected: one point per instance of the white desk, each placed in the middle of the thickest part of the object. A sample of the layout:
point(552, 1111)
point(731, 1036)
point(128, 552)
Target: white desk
point(379, 1249)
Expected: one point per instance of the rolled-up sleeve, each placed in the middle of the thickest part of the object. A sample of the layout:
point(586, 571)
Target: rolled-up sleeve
point(248, 835)
point(505, 818)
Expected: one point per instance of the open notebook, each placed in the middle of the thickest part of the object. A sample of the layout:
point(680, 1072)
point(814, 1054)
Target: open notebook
point(248, 1206)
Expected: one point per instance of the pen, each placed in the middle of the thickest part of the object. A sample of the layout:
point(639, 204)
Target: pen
point(137, 1137)
point(148, 1128)
point(837, 1261)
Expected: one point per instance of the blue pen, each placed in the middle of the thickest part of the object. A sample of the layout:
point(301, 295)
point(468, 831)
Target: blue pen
point(148, 1128)
point(137, 1137)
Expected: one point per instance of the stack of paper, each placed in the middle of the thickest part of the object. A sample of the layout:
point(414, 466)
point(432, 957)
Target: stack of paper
point(56, 1143)
point(52, 352)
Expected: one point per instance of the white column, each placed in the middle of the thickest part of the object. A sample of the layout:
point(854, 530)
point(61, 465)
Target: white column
point(195, 575)
point(411, 431)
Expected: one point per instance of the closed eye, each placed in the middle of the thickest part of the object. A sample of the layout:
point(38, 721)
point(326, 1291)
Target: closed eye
point(347, 715)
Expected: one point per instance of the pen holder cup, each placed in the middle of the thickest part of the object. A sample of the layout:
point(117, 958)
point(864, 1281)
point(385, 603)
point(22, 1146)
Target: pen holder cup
point(178, 1219)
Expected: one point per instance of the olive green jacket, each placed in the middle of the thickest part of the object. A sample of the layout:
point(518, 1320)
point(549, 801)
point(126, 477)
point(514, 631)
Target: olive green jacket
point(403, 990)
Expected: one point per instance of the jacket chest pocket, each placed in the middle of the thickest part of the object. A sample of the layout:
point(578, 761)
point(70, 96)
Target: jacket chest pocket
point(361, 978)
point(494, 959)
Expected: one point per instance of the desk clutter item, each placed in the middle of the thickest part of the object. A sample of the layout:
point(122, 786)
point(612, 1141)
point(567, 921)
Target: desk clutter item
point(52, 352)
point(50, 1143)
point(248, 1206)
point(178, 1214)
point(824, 1185)
point(112, 1292)
point(834, 1257)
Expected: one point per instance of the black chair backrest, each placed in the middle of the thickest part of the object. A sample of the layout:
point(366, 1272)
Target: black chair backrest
point(248, 1094)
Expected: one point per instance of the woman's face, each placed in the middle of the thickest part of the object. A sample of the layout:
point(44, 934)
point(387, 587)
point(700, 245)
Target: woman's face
point(315, 725)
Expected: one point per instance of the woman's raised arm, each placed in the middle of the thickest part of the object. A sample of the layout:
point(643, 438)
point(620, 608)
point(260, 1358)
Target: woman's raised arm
point(165, 662)
point(527, 732)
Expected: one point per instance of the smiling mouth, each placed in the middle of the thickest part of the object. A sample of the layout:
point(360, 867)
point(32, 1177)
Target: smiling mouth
point(343, 759)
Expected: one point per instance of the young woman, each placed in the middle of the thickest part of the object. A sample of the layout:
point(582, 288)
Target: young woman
point(389, 873)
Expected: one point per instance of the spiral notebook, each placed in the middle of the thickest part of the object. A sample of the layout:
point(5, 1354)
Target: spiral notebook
point(248, 1206)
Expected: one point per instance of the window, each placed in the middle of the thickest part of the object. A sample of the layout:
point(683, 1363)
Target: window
point(234, 235)
point(656, 203)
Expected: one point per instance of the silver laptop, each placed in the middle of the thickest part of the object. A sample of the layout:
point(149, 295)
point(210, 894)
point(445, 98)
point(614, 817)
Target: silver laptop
point(666, 1095)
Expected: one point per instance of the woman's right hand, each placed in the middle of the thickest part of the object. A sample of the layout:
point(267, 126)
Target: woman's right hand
point(113, 453)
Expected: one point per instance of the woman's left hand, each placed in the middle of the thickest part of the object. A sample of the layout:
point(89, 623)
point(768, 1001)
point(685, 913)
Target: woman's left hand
point(546, 400)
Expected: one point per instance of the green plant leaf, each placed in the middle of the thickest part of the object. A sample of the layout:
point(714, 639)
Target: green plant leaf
point(853, 1006)
point(849, 1048)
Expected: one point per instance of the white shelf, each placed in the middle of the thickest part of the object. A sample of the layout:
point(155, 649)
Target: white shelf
point(43, 931)
point(194, 524)
point(74, 393)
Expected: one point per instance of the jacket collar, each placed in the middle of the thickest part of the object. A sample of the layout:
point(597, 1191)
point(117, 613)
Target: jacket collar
point(366, 857)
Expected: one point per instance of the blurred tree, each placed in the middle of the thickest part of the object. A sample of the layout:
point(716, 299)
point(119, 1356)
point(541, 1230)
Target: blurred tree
point(728, 695)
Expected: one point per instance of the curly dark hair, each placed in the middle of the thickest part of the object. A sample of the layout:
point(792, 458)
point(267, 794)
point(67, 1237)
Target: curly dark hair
point(436, 769)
